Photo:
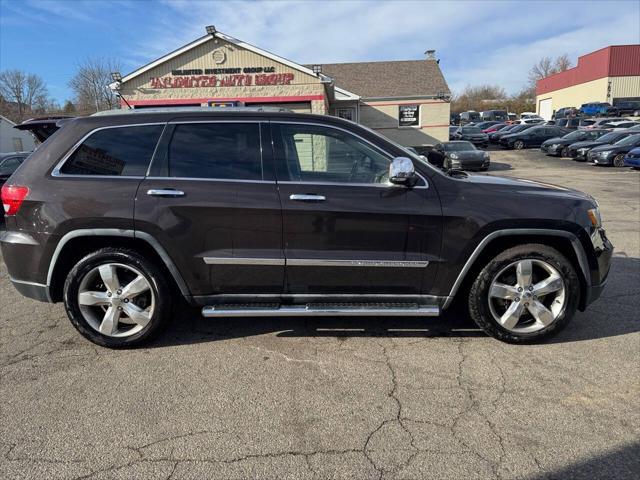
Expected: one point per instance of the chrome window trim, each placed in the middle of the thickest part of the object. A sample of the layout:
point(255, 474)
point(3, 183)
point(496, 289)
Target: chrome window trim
point(575, 242)
point(376, 147)
point(56, 170)
point(197, 179)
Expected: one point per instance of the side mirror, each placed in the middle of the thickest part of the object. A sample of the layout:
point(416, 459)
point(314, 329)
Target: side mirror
point(401, 170)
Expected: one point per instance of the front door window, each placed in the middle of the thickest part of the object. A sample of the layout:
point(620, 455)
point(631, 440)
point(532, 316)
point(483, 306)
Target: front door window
point(315, 154)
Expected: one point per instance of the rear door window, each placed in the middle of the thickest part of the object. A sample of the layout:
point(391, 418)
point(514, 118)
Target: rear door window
point(217, 150)
point(115, 151)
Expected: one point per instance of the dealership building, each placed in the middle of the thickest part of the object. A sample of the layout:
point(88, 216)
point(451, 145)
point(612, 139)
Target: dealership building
point(408, 101)
point(611, 74)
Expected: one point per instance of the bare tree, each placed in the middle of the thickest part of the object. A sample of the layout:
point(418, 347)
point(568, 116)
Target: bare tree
point(23, 89)
point(562, 63)
point(480, 97)
point(543, 68)
point(90, 84)
point(546, 66)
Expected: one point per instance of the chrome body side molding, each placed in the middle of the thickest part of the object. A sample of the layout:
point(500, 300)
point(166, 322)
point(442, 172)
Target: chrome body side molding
point(313, 262)
point(243, 261)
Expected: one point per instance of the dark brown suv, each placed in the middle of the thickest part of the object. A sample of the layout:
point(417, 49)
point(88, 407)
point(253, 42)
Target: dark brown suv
point(258, 213)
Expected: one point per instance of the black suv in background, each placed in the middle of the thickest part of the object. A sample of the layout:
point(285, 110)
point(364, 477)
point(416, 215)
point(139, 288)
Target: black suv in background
point(532, 137)
point(263, 213)
point(560, 145)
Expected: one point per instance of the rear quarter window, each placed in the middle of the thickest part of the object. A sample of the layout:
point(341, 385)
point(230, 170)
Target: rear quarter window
point(115, 151)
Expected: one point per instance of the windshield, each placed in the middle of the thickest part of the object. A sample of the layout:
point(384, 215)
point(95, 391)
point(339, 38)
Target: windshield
point(471, 130)
point(458, 146)
point(519, 128)
point(630, 140)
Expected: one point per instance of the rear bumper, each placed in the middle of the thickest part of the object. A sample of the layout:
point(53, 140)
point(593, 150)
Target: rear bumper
point(22, 254)
point(36, 291)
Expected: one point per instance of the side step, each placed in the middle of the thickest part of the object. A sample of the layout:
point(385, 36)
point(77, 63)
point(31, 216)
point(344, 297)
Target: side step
point(322, 310)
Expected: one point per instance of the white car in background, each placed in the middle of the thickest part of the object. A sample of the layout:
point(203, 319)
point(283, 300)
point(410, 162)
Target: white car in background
point(528, 118)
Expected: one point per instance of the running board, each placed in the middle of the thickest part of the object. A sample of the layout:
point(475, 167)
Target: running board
point(321, 310)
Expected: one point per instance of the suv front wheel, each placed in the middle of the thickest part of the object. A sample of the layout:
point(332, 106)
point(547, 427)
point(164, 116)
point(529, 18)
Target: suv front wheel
point(117, 298)
point(524, 294)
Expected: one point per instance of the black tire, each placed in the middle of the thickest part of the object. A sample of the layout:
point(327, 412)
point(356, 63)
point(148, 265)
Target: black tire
point(564, 152)
point(518, 145)
point(159, 287)
point(618, 160)
point(479, 308)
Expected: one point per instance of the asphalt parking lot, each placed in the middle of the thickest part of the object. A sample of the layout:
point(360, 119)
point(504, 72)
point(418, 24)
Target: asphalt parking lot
point(337, 398)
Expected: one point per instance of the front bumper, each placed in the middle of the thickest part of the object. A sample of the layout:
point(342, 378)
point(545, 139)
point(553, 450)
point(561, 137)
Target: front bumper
point(603, 251)
point(601, 160)
point(551, 149)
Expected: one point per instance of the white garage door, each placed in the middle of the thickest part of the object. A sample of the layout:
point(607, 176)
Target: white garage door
point(544, 108)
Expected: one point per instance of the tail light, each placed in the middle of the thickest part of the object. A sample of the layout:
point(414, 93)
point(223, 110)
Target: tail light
point(12, 198)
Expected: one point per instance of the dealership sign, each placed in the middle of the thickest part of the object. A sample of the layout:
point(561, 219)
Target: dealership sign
point(409, 115)
point(222, 77)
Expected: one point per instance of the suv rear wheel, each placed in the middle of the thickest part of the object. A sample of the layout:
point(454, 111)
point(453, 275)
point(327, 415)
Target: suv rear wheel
point(524, 294)
point(117, 298)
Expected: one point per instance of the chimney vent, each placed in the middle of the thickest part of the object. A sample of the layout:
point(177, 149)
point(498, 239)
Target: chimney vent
point(431, 54)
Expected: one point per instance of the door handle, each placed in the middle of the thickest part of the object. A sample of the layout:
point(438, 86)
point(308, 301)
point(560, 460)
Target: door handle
point(303, 197)
point(165, 192)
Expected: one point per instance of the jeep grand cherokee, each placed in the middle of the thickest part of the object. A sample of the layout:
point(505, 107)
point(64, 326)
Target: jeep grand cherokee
point(259, 213)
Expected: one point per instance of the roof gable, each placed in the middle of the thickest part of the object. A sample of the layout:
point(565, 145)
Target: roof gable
point(153, 66)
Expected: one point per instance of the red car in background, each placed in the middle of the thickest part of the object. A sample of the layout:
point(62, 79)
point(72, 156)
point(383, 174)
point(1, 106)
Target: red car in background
point(494, 128)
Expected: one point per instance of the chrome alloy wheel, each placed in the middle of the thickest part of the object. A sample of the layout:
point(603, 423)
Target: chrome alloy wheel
point(527, 296)
point(116, 300)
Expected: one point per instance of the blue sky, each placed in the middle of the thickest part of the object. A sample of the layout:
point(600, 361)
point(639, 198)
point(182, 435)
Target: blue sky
point(492, 42)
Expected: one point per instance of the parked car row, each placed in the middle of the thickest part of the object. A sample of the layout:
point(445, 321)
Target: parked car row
point(616, 148)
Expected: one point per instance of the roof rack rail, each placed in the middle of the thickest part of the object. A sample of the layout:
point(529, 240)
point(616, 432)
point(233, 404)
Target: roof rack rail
point(189, 110)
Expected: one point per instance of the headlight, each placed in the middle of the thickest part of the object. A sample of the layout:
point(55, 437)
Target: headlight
point(486, 154)
point(606, 153)
point(594, 216)
point(453, 155)
point(582, 151)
